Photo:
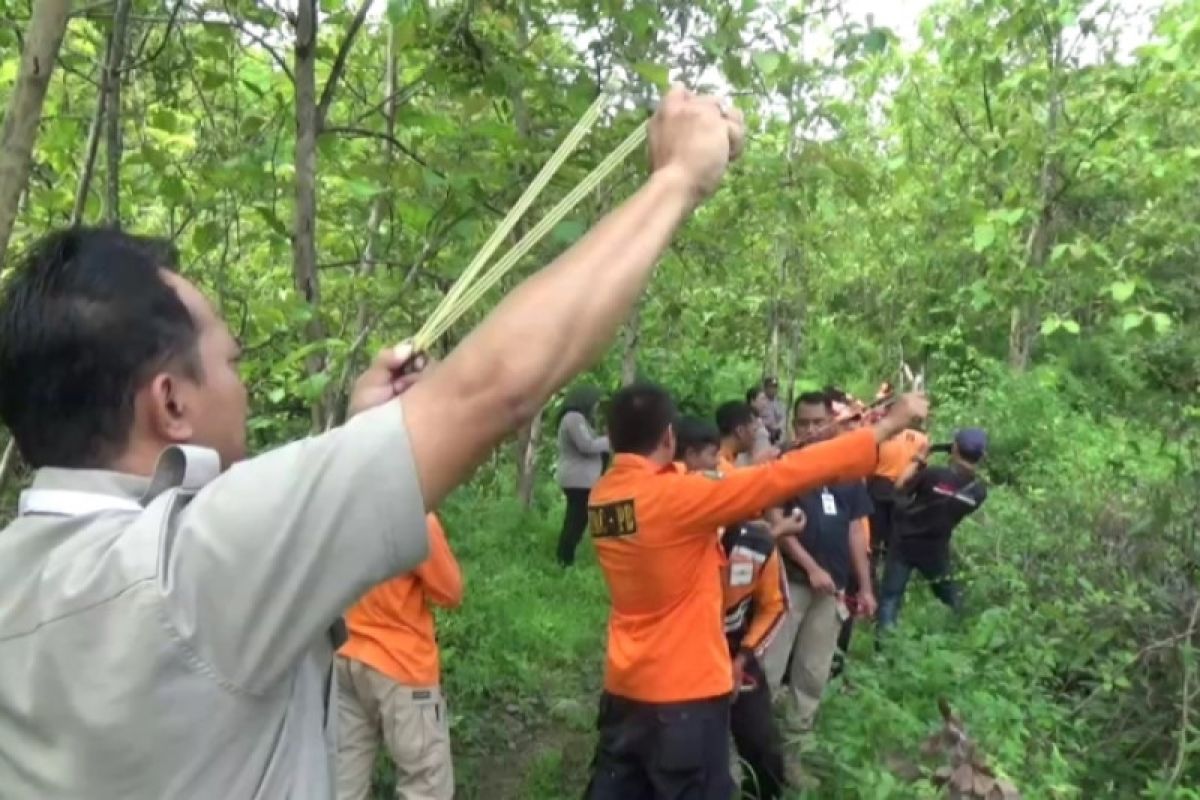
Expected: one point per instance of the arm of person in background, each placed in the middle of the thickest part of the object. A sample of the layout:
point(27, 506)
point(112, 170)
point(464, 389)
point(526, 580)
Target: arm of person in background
point(582, 437)
point(771, 603)
point(860, 556)
point(696, 502)
point(440, 574)
point(560, 320)
point(820, 580)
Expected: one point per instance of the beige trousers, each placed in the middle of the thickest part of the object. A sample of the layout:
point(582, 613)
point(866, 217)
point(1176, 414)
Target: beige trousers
point(807, 642)
point(410, 721)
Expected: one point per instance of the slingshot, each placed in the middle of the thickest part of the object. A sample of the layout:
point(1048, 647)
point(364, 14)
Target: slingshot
point(475, 281)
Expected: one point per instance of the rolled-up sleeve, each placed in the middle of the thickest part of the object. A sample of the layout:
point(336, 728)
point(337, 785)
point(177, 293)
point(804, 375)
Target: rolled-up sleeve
point(264, 559)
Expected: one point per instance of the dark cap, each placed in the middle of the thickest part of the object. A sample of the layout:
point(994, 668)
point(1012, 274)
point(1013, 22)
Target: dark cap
point(971, 443)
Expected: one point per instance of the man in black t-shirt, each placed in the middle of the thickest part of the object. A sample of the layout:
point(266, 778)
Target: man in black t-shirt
point(932, 500)
point(819, 564)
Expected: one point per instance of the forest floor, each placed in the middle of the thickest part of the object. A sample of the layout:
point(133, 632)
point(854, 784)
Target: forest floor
point(524, 658)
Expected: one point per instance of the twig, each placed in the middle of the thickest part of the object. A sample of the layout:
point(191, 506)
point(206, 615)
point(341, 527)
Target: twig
point(1185, 710)
point(339, 64)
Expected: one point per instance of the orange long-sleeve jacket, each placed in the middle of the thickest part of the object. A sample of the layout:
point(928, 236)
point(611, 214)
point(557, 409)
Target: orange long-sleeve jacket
point(655, 532)
point(391, 627)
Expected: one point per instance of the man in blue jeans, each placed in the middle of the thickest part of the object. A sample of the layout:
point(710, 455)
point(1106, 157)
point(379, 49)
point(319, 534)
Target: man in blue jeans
point(931, 501)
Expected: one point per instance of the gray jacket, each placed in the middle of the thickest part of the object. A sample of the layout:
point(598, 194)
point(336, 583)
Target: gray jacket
point(580, 452)
point(170, 638)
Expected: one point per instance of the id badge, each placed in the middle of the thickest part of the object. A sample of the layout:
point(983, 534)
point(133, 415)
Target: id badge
point(828, 503)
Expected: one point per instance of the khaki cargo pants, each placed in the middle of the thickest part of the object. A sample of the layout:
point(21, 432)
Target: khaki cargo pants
point(804, 649)
point(411, 722)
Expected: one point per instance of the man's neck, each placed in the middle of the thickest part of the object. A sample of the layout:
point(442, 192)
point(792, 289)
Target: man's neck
point(730, 447)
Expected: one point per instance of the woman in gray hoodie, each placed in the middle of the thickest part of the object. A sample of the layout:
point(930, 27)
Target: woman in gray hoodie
point(580, 462)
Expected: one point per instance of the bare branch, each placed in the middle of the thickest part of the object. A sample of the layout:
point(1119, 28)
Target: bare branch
point(339, 64)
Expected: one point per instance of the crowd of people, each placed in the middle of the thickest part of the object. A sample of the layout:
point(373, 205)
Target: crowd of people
point(181, 620)
point(738, 553)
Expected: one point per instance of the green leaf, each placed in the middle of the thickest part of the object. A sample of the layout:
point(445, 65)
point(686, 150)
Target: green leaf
point(1132, 320)
point(1162, 322)
point(1050, 325)
point(1071, 326)
point(206, 235)
point(1123, 290)
point(567, 231)
point(273, 222)
point(657, 74)
point(985, 235)
point(767, 63)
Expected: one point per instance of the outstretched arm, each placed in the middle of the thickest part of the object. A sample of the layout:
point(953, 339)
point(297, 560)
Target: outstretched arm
point(559, 320)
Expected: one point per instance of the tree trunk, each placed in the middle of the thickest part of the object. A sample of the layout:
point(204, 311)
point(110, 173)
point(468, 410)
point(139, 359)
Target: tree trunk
point(631, 337)
point(118, 37)
point(43, 38)
point(1024, 323)
point(366, 265)
point(304, 245)
point(527, 435)
point(106, 120)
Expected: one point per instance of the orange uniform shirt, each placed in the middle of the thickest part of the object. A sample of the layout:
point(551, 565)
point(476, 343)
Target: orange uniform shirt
point(755, 590)
point(655, 532)
point(391, 627)
point(897, 453)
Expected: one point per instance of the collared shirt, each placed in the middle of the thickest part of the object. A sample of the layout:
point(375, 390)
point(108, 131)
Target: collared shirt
point(391, 628)
point(829, 512)
point(655, 532)
point(183, 651)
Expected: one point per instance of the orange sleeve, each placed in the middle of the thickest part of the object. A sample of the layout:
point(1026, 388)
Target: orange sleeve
point(439, 574)
point(771, 602)
point(694, 502)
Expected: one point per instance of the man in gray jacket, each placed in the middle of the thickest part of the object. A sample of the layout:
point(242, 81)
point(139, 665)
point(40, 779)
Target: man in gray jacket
point(165, 624)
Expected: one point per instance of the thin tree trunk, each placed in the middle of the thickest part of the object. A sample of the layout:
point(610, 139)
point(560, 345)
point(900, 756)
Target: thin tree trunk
point(118, 38)
point(43, 38)
point(527, 435)
point(1024, 323)
point(631, 337)
point(304, 246)
point(366, 265)
point(106, 121)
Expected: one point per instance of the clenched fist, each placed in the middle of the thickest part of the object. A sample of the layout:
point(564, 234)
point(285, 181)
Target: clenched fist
point(695, 137)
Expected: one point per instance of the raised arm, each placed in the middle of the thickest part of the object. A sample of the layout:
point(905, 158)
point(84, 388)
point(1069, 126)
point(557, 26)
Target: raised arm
point(698, 501)
point(558, 321)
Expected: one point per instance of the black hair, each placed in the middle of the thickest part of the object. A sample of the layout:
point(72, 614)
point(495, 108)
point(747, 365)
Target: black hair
point(753, 393)
point(85, 320)
point(638, 417)
point(582, 399)
point(835, 395)
point(812, 399)
point(732, 414)
point(693, 433)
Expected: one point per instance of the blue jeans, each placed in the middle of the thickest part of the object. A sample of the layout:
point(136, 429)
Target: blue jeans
point(938, 572)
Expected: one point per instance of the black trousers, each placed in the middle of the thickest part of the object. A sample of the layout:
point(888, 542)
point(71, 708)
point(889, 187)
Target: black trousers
point(574, 523)
point(661, 751)
point(756, 736)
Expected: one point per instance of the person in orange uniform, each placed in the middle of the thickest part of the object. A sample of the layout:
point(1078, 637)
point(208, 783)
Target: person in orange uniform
point(756, 600)
point(389, 682)
point(665, 711)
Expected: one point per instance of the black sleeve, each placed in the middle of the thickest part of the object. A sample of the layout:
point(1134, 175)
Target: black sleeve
point(860, 502)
